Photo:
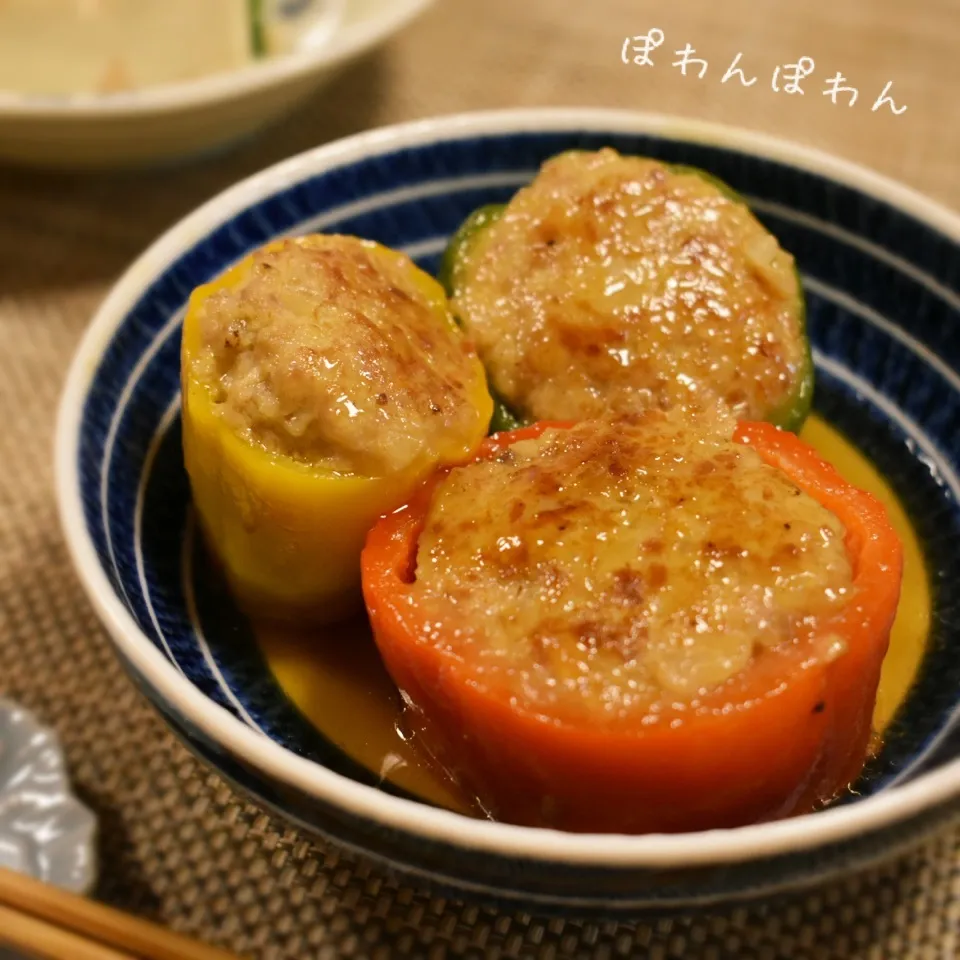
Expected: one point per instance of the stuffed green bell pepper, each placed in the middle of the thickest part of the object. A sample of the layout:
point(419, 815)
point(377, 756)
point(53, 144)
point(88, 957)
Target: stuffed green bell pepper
point(615, 283)
point(323, 377)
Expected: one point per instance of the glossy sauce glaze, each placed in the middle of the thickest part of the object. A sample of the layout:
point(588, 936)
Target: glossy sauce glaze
point(338, 682)
point(622, 565)
point(615, 283)
point(336, 352)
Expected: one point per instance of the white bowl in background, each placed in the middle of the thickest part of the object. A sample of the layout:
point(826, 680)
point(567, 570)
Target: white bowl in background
point(163, 123)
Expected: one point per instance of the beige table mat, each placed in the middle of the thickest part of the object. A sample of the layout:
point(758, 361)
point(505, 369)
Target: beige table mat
point(177, 845)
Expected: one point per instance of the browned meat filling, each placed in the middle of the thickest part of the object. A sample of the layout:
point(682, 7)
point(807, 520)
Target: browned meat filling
point(338, 352)
point(617, 283)
point(627, 560)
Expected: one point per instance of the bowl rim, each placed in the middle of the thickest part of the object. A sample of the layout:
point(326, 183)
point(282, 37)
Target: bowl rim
point(346, 43)
point(428, 823)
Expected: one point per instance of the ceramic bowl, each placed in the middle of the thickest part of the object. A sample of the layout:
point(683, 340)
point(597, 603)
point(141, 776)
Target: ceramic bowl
point(45, 832)
point(164, 123)
point(882, 272)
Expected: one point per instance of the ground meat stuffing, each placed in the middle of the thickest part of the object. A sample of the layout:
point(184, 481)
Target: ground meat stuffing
point(339, 353)
point(619, 283)
point(626, 561)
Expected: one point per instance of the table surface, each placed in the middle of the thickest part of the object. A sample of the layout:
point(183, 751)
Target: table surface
point(176, 844)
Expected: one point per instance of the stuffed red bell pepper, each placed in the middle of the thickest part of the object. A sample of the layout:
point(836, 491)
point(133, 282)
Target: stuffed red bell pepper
point(638, 624)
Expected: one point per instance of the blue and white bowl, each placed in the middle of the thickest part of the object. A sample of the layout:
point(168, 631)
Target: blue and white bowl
point(882, 269)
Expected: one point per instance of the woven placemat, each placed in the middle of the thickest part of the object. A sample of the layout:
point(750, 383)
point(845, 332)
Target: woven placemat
point(176, 843)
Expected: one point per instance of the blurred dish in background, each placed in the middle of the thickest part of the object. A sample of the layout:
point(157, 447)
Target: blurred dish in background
point(63, 47)
point(109, 83)
point(105, 46)
point(288, 26)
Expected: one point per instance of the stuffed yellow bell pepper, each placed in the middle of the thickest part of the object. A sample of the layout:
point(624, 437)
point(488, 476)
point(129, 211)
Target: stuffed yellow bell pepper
point(323, 377)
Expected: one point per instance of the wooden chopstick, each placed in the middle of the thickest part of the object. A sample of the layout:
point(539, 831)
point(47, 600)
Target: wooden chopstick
point(50, 923)
point(48, 942)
